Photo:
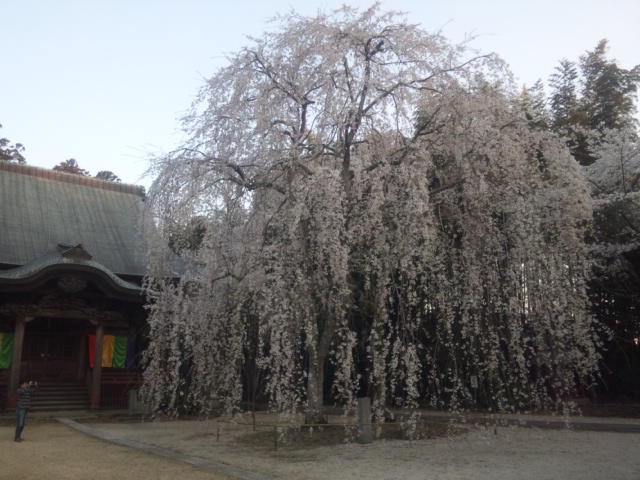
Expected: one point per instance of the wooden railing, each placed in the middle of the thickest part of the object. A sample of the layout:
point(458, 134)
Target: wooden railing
point(114, 388)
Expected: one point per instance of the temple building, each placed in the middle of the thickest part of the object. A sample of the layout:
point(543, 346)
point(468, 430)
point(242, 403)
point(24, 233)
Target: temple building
point(71, 305)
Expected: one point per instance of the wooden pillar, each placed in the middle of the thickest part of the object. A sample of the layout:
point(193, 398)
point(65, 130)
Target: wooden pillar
point(16, 361)
point(82, 357)
point(97, 368)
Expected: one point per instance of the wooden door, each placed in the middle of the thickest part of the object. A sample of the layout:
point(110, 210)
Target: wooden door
point(50, 357)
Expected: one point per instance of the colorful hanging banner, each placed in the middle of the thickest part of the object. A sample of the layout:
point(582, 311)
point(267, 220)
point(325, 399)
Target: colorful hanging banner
point(131, 362)
point(6, 349)
point(115, 353)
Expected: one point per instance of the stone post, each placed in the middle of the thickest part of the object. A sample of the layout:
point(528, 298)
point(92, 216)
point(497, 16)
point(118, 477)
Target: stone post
point(365, 431)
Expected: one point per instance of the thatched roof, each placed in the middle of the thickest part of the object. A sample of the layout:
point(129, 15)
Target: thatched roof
point(41, 209)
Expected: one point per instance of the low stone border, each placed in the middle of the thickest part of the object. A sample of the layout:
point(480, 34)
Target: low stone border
point(198, 462)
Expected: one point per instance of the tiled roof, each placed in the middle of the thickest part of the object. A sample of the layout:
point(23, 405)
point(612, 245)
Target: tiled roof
point(40, 209)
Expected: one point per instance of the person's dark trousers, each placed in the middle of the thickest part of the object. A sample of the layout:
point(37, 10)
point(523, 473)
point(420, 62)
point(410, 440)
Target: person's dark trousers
point(21, 417)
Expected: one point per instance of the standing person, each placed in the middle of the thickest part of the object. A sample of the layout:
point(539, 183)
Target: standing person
point(25, 391)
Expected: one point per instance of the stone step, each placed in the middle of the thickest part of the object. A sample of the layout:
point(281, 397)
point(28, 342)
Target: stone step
point(61, 396)
point(59, 399)
point(52, 406)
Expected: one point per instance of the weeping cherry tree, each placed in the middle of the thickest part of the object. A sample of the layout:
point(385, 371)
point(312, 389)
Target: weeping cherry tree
point(378, 219)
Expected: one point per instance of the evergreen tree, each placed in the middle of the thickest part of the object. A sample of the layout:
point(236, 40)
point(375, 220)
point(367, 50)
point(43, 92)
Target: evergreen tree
point(593, 106)
point(568, 118)
point(598, 98)
point(11, 153)
point(107, 175)
point(609, 92)
point(71, 166)
point(564, 96)
point(614, 288)
point(534, 104)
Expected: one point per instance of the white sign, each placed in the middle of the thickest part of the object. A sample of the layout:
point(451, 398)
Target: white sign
point(474, 381)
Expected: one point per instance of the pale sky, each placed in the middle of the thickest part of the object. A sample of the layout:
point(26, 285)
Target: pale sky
point(105, 82)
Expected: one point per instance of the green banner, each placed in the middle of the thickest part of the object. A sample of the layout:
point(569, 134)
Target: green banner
point(119, 352)
point(6, 349)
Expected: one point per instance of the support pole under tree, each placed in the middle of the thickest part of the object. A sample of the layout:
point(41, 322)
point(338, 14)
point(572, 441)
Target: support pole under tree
point(365, 432)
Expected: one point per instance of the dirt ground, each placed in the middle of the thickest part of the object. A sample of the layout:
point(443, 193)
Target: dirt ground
point(55, 452)
point(52, 451)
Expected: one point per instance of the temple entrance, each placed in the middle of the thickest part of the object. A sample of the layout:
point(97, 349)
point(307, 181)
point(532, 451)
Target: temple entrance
point(50, 358)
point(52, 350)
